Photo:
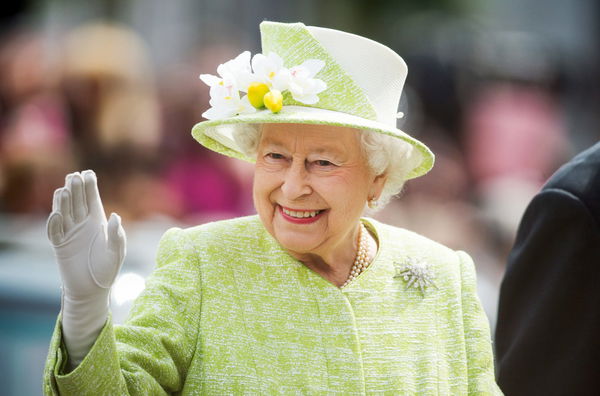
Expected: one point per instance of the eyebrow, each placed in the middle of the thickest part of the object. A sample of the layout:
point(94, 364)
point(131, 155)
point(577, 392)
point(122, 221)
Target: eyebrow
point(273, 143)
point(327, 151)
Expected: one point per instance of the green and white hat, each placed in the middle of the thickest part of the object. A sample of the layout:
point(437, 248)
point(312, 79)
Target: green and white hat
point(307, 75)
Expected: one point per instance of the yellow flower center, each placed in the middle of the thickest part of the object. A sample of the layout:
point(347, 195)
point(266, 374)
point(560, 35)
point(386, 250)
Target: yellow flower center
point(256, 93)
point(274, 101)
point(271, 75)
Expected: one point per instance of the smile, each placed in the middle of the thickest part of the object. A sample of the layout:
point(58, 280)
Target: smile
point(300, 216)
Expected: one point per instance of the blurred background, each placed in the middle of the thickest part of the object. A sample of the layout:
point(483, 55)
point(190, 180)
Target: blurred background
point(503, 91)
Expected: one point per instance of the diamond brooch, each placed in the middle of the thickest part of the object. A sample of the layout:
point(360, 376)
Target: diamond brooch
point(416, 273)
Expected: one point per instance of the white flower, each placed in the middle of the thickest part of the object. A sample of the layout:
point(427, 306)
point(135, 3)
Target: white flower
point(225, 102)
point(269, 70)
point(303, 86)
point(236, 75)
point(237, 70)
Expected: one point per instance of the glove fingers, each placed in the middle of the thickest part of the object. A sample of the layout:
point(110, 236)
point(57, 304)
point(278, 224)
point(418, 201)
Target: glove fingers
point(56, 200)
point(75, 185)
point(122, 243)
point(105, 271)
point(65, 210)
point(54, 228)
point(116, 239)
point(92, 195)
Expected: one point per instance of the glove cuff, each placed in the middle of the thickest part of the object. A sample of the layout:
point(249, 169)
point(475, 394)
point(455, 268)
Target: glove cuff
point(82, 321)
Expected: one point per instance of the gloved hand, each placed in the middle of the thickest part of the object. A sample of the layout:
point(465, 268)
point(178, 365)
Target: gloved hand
point(89, 251)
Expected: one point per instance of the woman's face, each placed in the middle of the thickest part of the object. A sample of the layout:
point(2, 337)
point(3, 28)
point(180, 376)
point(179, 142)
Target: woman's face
point(311, 183)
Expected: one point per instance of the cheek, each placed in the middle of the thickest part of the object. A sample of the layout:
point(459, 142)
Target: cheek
point(345, 193)
point(264, 184)
point(344, 187)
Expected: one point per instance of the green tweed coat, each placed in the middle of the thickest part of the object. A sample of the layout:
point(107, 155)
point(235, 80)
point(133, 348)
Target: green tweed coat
point(227, 311)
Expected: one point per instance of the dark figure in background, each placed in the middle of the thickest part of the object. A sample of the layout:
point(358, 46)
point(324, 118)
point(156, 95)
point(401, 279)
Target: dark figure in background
point(548, 333)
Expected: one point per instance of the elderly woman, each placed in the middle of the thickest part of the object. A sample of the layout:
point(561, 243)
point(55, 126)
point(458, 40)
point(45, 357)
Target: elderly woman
point(307, 297)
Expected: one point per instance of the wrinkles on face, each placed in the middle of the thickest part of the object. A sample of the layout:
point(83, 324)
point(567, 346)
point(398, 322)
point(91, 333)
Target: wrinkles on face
point(303, 169)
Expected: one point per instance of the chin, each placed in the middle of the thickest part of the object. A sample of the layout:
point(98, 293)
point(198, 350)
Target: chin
point(295, 241)
point(294, 238)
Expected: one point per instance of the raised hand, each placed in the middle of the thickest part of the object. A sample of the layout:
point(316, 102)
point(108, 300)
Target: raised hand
point(89, 251)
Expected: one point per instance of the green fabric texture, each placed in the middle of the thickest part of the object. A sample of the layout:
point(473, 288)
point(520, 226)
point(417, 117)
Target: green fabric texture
point(294, 44)
point(227, 311)
point(346, 103)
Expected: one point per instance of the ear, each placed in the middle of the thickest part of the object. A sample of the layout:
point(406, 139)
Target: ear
point(377, 186)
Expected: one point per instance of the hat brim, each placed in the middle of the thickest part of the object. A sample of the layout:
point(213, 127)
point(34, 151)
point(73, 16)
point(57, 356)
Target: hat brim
point(217, 134)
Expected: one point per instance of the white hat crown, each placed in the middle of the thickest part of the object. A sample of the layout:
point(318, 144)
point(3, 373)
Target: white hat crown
point(375, 68)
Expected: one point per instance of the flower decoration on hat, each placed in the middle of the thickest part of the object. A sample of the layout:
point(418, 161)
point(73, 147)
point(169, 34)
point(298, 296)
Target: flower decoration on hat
point(264, 83)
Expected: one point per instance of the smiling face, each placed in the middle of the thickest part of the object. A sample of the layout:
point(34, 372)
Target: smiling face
point(311, 183)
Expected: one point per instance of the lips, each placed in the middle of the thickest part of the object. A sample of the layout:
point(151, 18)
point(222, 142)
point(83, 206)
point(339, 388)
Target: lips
point(300, 213)
point(299, 216)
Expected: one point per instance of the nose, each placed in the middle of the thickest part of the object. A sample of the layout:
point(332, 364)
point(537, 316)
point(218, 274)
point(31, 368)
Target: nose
point(296, 183)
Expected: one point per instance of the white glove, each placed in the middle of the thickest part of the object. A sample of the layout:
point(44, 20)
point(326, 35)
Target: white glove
point(89, 251)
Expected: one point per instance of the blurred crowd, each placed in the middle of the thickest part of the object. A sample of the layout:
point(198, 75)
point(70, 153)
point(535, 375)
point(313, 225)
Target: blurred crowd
point(100, 105)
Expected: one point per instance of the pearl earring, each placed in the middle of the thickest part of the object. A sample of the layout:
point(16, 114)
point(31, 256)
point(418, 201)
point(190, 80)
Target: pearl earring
point(373, 203)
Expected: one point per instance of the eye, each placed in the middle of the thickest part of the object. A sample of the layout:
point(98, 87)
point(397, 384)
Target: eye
point(274, 156)
point(324, 163)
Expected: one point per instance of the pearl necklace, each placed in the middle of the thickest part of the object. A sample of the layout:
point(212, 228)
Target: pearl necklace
point(361, 262)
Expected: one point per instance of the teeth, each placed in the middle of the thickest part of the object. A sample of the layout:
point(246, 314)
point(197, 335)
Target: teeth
point(301, 214)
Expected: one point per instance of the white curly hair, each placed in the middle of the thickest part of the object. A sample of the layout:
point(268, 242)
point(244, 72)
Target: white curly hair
point(385, 155)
